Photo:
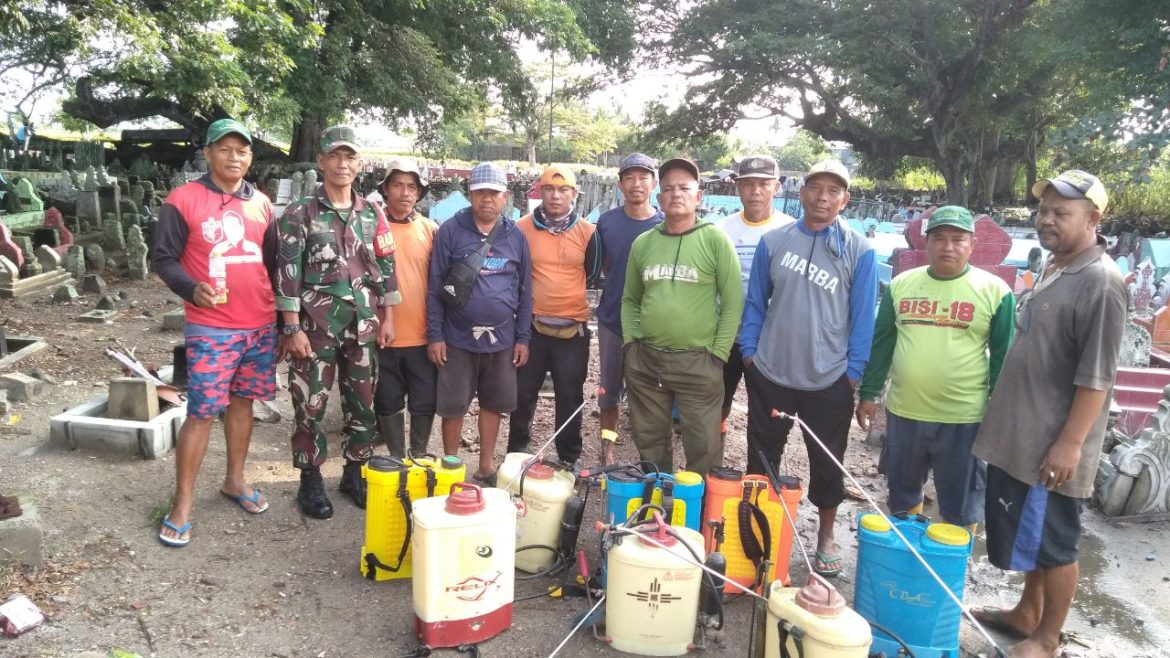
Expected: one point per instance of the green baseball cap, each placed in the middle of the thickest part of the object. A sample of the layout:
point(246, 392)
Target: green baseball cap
point(956, 216)
point(224, 127)
point(336, 137)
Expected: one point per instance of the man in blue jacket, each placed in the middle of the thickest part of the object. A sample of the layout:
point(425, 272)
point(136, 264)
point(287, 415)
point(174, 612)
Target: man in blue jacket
point(478, 347)
point(805, 339)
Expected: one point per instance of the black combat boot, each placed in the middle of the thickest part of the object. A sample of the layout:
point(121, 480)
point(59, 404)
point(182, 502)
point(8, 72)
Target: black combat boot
point(311, 495)
point(352, 482)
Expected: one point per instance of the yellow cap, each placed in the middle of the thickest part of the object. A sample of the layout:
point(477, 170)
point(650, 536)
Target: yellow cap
point(875, 523)
point(557, 175)
point(951, 535)
point(688, 478)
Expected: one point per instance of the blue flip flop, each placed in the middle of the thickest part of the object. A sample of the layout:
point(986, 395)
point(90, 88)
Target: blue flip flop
point(832, 564)
point(254, 499)
point(174, 542)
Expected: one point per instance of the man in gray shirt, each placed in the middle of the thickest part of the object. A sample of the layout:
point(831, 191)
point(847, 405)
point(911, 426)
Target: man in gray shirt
point(1043, 428)
point(805, 339)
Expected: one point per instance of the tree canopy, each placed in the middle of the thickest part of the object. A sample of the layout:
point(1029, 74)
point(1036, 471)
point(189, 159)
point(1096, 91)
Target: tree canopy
point(295, 63)
point(968, 84)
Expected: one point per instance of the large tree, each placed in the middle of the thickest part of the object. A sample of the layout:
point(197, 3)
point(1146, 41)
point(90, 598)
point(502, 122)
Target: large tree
point(966, 84)
point(302, 64)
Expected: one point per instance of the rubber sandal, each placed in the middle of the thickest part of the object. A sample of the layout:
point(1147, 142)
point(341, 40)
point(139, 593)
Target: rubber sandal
point(174, 542)
point(254, 499)
point(828, 560)
point(486, 480)
point(993, 618)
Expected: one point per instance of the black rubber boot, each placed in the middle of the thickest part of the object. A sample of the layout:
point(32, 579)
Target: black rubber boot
point(392, 431)
point(311, 495)
point(420, 433)
point(352, 482)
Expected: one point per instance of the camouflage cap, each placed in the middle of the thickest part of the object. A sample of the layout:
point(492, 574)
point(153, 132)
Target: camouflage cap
point(336, 137)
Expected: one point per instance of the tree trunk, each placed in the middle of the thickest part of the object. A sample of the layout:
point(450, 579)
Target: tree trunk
point(306, 134)
point(1030, 168)
point(955, 172)
point(1005, 181)
point(530, 147)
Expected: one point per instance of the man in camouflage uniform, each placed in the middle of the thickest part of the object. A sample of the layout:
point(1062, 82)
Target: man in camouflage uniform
point(335, 290)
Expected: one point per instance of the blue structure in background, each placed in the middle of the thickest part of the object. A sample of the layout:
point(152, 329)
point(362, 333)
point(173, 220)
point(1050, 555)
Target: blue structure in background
point(446, 209)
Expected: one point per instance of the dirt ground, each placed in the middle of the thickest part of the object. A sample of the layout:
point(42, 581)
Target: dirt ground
point(282, 585)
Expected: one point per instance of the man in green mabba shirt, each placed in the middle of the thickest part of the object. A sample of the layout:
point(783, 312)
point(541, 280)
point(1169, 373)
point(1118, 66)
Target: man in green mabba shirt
point(941, 334)
point(680, 310)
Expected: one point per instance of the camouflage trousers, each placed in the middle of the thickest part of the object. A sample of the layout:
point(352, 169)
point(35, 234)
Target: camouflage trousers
point(353, 365)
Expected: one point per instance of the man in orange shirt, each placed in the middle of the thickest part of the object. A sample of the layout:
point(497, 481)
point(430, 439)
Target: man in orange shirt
point(406, 377)
point(566, 256)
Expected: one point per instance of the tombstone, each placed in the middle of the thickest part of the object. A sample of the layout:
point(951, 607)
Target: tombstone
point(75, 179)
point(1135, 477)
point(91, 181)
point(199, 163)
point(143, 168)
point(26, 193)
point(104, 179)
point(1135, 346)
point(110, 197)
point(1143, 292)
point(55, 220)
point(112, 237)
point(149, 200)
point(298, 186)
point(94, 283)
point(106, 303)
point(310, 185)
point(136, 254)
point(95, 258)
point(9, 272)
point(116, 170)
point(8, 248)
point(65, 293)
point(75, 262)
point(48, 257)
point(136, 193)
point(31, 266)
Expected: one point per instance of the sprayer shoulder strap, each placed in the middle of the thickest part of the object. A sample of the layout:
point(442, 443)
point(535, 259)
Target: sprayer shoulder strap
point(372, 561)
point(788, 629)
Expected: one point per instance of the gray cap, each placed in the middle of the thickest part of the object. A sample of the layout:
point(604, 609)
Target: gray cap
point(488, 176)
point(406, 166)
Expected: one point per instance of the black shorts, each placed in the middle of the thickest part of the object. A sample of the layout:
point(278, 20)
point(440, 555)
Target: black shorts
point(492, 376)
point(1028, 526)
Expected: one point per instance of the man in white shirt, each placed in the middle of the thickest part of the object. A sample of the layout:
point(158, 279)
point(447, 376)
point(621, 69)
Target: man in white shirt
point(757, 178)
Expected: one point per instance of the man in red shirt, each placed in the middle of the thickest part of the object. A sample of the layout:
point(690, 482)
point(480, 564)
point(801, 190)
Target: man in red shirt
point(215, 246)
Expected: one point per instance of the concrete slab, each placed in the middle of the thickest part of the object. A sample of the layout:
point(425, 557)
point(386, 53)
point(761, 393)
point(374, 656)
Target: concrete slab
point(97, 316)
point(21, 347)
point(20, 538)
point(21, 387)
point(85, 427)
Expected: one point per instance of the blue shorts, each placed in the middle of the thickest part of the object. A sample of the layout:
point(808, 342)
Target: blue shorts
point(241, 364)
point(914, 448)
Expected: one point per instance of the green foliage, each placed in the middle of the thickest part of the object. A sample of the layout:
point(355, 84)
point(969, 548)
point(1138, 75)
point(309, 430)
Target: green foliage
point(802, 151)
point(1148, 198)
point(964, 83)
point(293, 66)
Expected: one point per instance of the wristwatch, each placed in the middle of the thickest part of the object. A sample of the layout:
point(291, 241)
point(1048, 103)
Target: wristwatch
point(290, 329)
